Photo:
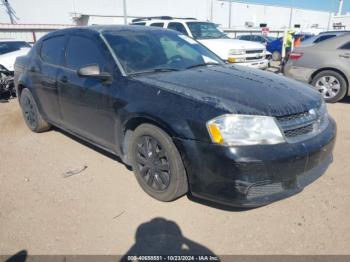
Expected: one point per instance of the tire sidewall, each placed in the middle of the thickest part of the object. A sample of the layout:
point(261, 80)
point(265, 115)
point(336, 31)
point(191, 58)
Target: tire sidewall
point(177, 171)
point(339, 77)
point(26, 94)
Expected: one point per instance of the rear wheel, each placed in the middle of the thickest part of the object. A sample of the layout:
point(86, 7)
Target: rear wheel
point(31, 114)
point(331, 85)
point(157, 164)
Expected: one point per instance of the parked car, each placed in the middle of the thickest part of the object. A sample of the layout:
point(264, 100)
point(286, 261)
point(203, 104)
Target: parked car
point(183, 119)
point(10, 49)
point(324, 65)
point(275, 47)
point(323, 36)
point(262, 39)
point(230, 50)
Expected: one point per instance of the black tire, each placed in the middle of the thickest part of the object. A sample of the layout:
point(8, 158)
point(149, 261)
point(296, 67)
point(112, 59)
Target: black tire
point(276, 56)
point(340, 83)
point(31, 114)
point(157, 163)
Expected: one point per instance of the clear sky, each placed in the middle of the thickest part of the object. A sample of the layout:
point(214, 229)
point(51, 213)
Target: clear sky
point(327, 5)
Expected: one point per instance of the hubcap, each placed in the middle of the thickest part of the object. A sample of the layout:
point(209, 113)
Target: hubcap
point(29, 112)
point(153, 164)
point(328, 86)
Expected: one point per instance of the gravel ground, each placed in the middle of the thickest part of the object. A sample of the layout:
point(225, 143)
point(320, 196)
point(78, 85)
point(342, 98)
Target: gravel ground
point(102, 210)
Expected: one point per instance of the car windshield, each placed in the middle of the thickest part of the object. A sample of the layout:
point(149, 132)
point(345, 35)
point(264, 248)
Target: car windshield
point(158, 50)
point(11, 46)
point(204, 30)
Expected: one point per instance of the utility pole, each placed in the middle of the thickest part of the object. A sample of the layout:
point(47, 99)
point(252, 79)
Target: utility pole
point(125, 15)
point(340, 8)
point(9, 10)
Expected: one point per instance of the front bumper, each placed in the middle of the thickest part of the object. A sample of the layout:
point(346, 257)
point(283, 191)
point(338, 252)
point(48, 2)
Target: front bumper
point(260, 64)
point(251, 176)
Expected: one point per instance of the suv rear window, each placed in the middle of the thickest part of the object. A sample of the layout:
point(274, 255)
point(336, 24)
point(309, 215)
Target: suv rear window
point(52, 50)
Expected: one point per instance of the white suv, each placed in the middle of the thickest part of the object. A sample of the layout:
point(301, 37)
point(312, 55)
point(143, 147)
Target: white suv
point(231, 50)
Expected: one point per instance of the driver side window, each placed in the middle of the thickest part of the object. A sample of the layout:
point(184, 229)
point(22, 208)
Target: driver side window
point(82, 51)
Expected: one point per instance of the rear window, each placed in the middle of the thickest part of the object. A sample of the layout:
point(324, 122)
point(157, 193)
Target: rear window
point(157, 24)
point(52, 50)
point(177, 27)
point(11, 46)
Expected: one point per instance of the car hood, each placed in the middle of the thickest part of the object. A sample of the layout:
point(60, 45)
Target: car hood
point(238, 89)
point(8, 60)
point(222, 46)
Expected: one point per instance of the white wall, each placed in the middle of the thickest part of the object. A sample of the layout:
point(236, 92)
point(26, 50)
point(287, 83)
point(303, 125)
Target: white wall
point(58, 12)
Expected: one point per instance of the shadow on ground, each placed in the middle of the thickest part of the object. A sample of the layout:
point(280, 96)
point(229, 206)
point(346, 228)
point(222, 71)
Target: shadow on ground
point(21, 256)
point(163, 237)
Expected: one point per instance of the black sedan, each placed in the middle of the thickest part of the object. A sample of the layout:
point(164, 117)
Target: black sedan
point(171, 109)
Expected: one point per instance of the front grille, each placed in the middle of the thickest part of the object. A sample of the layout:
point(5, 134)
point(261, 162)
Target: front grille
point(299, 131)
point(253, 58)
point(300, 126)
point(292, 117)
point(264, 190)
point(259, 51)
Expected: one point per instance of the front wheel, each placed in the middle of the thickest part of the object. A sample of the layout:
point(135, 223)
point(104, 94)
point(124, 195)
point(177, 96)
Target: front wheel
point(331, 85)
point(157, 164)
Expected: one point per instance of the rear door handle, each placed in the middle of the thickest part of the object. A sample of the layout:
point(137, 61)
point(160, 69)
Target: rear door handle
point(63, 79)
point(345, 55)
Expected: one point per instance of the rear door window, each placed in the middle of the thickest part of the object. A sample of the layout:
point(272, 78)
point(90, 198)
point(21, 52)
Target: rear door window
point(177, 27)
point(324, 37)
point(82, 51)
point(157, 24)
point(346, 46)
point(52, 50)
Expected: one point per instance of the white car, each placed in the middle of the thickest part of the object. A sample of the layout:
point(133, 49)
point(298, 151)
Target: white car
point(244, 53)
point(10, 50)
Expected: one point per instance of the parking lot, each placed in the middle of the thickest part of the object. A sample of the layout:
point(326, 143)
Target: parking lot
point(60, 196)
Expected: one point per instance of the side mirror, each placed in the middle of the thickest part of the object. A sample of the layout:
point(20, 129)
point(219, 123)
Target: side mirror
point(93, 71)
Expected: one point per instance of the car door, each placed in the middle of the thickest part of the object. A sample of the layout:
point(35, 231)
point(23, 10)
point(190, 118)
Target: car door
point(43, 73)
point(86, 102)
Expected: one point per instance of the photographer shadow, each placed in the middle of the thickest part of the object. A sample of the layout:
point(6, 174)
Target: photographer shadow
point(163, 237)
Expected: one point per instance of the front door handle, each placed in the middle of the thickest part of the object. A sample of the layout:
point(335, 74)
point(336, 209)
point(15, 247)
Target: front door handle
point(63, 79)
point(32, 69)
point(345, 55)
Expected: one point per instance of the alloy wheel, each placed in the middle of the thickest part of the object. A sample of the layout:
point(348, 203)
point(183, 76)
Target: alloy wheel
point(328, 86)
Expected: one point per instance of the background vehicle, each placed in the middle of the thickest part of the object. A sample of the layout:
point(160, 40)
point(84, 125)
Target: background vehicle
point(10, 49)
point(325, 65)
point(262, 39)
point(275, 47)
point(323, 36)
point(231, 50)
point(183, 119)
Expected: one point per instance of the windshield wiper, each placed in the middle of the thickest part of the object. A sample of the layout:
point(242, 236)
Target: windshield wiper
point(203, 64)
point(155, 70)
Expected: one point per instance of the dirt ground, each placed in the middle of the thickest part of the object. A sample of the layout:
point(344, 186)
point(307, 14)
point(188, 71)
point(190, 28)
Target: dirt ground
point(102, 210)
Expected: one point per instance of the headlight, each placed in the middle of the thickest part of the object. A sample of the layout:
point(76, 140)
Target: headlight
point(244, 130)
point(236, 52)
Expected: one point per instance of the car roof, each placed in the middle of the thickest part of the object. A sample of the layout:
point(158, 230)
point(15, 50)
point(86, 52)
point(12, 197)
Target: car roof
point(335, 32)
